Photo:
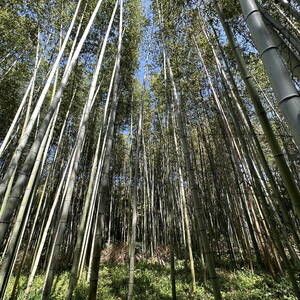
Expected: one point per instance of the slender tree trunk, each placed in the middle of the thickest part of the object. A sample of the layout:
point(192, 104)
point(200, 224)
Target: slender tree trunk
point(104, 185)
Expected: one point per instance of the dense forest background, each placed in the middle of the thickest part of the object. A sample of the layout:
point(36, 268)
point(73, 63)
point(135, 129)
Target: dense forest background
point(149, 149)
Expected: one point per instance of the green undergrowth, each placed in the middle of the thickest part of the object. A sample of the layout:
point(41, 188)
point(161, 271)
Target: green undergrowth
point(152, 281)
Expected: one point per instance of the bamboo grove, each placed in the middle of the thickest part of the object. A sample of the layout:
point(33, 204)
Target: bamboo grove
point(151, 124)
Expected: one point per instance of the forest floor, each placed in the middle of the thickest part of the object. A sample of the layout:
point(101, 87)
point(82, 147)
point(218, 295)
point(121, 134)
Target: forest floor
point(152, 281)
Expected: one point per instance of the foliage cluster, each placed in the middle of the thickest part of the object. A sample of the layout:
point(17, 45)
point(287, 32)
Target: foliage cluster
point(152, 282)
